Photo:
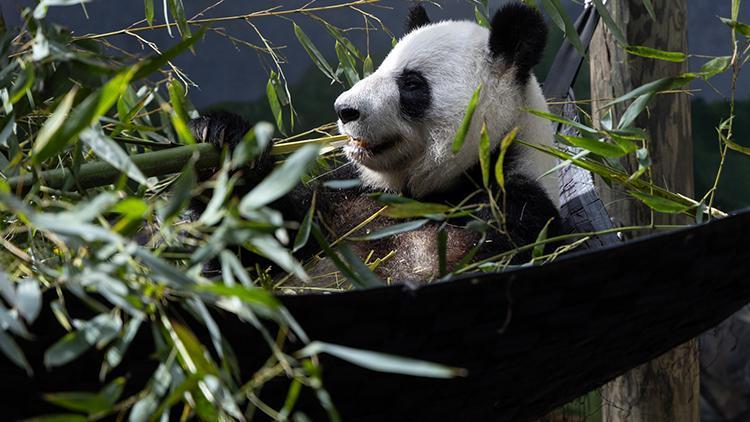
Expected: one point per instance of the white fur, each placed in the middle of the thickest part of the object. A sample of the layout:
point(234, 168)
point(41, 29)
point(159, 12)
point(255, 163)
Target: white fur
point(455, 58)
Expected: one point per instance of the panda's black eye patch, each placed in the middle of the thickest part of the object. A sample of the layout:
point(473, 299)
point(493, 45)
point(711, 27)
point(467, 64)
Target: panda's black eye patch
point(414, 93)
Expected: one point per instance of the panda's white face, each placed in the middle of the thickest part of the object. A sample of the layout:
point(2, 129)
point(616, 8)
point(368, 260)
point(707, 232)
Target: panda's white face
point(402, 119)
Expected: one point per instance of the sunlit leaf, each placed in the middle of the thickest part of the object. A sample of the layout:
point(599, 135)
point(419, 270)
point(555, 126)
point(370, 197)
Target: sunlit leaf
point(598, 147)
point(273, 101)
point(484, 155)
point(500, 164)
point(463, 130)
point(653, 53)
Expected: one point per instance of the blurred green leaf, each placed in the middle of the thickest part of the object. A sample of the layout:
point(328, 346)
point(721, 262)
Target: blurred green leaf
point(101, 329)
point(28, 299)
point(463, 130)
point(23, 83)
point(382, 362)
point(53, 124)
point(60, 417)
point(108, 150)
point(281, 180)
point(181, 193)
point(11, 350)
point(363, 274)
point(83, 115)
point(303, 234)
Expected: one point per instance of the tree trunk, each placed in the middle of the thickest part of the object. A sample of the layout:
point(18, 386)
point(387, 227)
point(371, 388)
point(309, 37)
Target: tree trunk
point(667, 388)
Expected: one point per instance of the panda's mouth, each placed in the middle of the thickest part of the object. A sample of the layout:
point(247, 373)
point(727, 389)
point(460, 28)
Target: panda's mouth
point(361, 147)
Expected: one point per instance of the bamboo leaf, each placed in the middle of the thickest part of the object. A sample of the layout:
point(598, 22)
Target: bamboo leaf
point(273, 101)
point(561, 19)
point(10, 349)
point(650, 8)
point(181, 193)
point(463, 130)
point(109, 151)
point(660, 204)
point(367, 279)
point(715, 66)
point(281, 180)
point(312, 51)
point(611, 25)
point(382, 362)
point(149, 11)
point(101, 329)
point(653, 53)
point(655, 87)
point(539, 249)
point(84, 115)
point(740, 27)
point(499, 165)
point(23, 83)
point(598, 147)
point(303, 234)
point(178, 11)
point(635, 109)
point(484, 155)
point(395, 229)
point(28, 299)
point(560, 119)
point(53, 124)
point(252, 296)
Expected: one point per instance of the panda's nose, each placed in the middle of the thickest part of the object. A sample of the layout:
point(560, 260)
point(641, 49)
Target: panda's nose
point(347, 114)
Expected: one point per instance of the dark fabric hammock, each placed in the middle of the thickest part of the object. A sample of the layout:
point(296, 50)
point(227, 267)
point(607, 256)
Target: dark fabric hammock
point(531, 339)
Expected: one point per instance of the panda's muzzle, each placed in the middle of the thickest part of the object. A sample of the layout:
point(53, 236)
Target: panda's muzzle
point(361, 145)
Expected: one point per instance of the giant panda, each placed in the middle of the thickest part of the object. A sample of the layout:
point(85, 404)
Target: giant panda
point(401, 122)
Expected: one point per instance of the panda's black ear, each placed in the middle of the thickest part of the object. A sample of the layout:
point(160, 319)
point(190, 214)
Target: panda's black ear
point(518, 35)
point(417, 18)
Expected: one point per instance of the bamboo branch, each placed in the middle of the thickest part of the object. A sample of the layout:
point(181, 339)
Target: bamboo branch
point(100, 173)
point(207, 21)
point(157, 163)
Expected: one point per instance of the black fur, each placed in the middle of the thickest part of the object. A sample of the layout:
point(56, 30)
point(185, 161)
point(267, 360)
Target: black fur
point(415, 94)
point(518, 34)
point(417, 18)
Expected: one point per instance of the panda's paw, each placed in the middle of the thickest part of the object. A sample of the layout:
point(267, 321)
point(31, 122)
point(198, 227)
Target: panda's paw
point(219, 128)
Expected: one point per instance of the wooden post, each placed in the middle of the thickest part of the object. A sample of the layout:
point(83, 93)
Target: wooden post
point(667, 388)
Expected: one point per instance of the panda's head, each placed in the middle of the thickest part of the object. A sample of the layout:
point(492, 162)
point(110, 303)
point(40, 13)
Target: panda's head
point(403, 118)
